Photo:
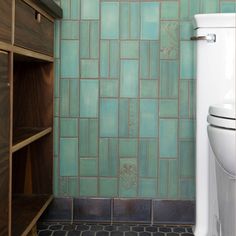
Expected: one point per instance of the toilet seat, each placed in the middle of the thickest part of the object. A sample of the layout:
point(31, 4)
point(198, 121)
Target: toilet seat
point(223, 116)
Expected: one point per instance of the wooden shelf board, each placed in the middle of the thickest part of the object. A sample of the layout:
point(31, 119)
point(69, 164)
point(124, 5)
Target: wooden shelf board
point(26, 210)
point(24, 136)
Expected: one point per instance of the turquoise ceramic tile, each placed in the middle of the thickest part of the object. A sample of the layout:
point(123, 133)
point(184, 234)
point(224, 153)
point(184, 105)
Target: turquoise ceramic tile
point(88, 187)
point(186, 60)
point(110, 20)
point(144, 59)
point(168, 132)
point(129, 49)
point(184, 99)
point(169, 10)
point(163, 179)
point(124, 20)
point(192, 98)
point(108, 157)
point(56, 107)
point(186, 30)
point(150, 20)
point(188, 8)
point(108, 117)
point(173, 180)
point(148, 157)
point(75, 9)
point(194, 7)
point(187, 189)
point(69, 127)
point(187, 159)
point(88, 133)
point(69, 156)
point(114, 63)
point(128, 147)
point(69, 58)
point(57, 67)
point(69, 29)
point(148, 188)
point(169, 39)
point(88, 98)
point(128, 117)
point(154, 60)
point(88, 167)
point(73, 187)
point(108, 187)
point(89, 9)
point(148, 118)
point(148, 88)
point(109, 88)
point(169, 79)
point(89, 69)
point(84, 39)
point(64, 97)
point(129, 78)
point(134, 20)
point(94, 39)
point(74, 98)
point(63, 187)
point(104, 59)
point(184, 9)
point(128, 177)
point(57, 32)
point(210, 6)
point(55, 177)
point(56, 136)
point(228, 7)
point(65, 5)
point(168, 108)
point(186, 128)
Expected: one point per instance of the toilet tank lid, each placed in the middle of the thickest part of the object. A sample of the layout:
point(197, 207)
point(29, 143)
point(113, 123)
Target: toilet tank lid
point(223, 110)
point(215, 20)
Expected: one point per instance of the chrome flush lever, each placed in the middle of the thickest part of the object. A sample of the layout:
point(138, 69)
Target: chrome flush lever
point(210, 38)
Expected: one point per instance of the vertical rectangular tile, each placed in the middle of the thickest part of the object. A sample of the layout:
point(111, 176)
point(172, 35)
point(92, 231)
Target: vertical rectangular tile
point(148, 188)
point(84, 39)
point(74, 98)
point(210, 6)
point(168, 108)
point(148, 118)
point(163, 179)
point(169, 10)
point(57, 69)
point(89, 9)
point(187, 189)
point(55, 176)
point(114, 62)
point(186, 128)
point(88, 133)
point(56, 136)
point(154, 60)
point(110, 20)
point(109, 88)
point(73, 187)
point(108, 187)
point(74, 9)
point(88, 187)
point(144, 59)
point(124, 20)
point(134, 20)
point(128, 148)
point(64, 97)
point(168, 132)
point(148, 88)
point(129, 49)
point(69, 29)
point(228, 7)
point(89, 69)
point(173, 179)
point(88, 167)
point(104, 59)
point(192, 98)
point(108, 157)
point(68, 127)
point(88, 98)
point(108, 118)
point(150, 20)
point(129, 78)
point(94, 39)
point(184, 99)
point(186, 30)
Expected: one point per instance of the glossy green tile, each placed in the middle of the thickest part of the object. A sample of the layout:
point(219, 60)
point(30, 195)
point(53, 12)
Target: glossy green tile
point(124, 20)
point(169, 79)
point(75, 9)
point(129, 78)
point(55, 177)
point(73, 187)
point(89, 69)
point(64, 97)
point(57, 68)
point(148, 157)
point(128, 147)
point(148, 88)
point(192, 98)
point(65, 5)
point(186, 128)
point(74, 97)
point(168, 131)
point(88, 167)
point(63, 186)
point(134, 20)
point(104, 59)
point(228, 7)
point(110, 20)
point(56, 107)
point(187, 189)
point(128, 117)
point(148, 118)
point(169, 39)
point(163, 179)
point(186, 60)
point(187, 158)
point(94, 39)
point(88, 98)
point(186, 30)
point(56, 136)
point(108, 117)
point(144, 59)
point(88, 187)
point(84, 39)
point(188, 8)
point(88, 133)
point(169, 10)
point(108, 187)
point(108, 157)
point(150, 20)
point(148, 188)
point(89, 9)
point(68, 156)
point(128, 177)
point(69, 58)
point(209, 6)
point(57, 40)
point(69, 127)
point(109, 88)
point(173, 179)
point(168, 108)
point(114, 63)
point(69, 29)
point(129, 49)
point(184, 99)
point(154, 60)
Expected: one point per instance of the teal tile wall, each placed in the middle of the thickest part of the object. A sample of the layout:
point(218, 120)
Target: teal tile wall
point(124, 105)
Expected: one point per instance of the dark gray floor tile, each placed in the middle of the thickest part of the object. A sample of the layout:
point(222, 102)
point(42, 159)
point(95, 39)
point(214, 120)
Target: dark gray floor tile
point(45, 233)
point(102, 233)
point(131, 233)
point(172, 234)
point(96, 227)
point(145, 234)
point(59, 233)
point(179, 230)
point(74, 233)
point(82, 227)
point(88, 233)
point(55, 227)
point(117, 233)
point(151, 229)
point(164, 229)
point(110, 228)
point(123, 228)
point(138, 228)
point(158, 234)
